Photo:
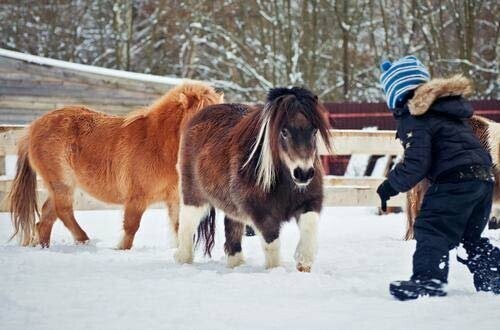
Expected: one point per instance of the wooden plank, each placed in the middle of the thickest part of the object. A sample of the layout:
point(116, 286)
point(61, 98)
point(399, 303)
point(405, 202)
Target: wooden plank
point(348, 142)
point(30, 113)
point(360, 182)
point(86, 77)
point(4, 128)
point(19, 116)
point(9, 139)
point(43, 103)
point(58, 90)
point(357, 196)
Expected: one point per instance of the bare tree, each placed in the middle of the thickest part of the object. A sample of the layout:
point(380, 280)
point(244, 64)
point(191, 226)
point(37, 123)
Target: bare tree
point(332, 46)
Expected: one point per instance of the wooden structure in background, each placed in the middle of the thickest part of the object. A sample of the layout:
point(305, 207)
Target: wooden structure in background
point(32, 85)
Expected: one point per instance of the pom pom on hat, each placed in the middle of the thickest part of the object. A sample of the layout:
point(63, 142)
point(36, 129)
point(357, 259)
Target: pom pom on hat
point(384, 66)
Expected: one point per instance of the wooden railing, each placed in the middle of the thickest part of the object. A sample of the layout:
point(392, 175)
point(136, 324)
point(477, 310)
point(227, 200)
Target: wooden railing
point(339, 190)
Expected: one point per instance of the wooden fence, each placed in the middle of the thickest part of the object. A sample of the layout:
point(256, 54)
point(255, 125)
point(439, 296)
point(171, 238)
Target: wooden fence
point(339, 190)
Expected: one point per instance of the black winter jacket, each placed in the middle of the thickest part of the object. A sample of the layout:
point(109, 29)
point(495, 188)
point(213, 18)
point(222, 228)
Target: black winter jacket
point(435, 132)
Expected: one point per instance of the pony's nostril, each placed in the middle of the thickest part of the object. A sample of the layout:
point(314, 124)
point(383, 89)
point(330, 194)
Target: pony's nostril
point(297, 173)
point(310, 173)
point(303, 176)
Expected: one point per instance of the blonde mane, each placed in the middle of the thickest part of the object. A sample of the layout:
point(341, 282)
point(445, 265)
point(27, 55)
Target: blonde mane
point(265, 170)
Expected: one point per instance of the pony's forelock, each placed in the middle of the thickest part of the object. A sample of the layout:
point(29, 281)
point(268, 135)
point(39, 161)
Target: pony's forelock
point(302, 100)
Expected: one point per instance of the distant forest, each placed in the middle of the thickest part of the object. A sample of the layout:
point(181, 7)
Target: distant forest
point(333, 47)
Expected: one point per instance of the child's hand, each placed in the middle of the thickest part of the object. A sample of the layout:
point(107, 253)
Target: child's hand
point(385, 191)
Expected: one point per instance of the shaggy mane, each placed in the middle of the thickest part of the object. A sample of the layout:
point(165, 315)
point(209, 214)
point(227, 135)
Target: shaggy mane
point(179, 98)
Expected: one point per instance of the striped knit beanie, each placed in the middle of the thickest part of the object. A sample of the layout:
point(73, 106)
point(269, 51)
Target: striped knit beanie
point(399, 79)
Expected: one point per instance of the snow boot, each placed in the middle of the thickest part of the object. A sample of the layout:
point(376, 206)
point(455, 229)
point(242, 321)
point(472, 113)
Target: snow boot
point(494, 223)
point(483, 261)
point(416, 287)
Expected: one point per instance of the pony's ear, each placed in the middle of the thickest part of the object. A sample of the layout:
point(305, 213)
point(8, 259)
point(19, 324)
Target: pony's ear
point(221, 97)
point(184, 100)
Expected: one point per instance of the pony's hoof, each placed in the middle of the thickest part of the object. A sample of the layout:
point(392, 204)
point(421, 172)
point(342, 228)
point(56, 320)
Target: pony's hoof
point(125, 243)
point(236, 260)
point(82, 242)
point(35, 242)
point(44, 244)
point(303, 268)
point(122, 246)
point(183, 257)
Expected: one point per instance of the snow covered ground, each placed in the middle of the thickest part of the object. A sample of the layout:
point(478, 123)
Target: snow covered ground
point(97, 287)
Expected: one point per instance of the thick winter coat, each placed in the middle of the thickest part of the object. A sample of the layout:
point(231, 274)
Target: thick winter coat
point(435, 132)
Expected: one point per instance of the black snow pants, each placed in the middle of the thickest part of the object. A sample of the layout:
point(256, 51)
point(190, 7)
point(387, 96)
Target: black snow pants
point(451, 213)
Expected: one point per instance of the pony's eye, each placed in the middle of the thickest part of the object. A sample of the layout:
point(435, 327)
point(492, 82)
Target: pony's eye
point(284, 133)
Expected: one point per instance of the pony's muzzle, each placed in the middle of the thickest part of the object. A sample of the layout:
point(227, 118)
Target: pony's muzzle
point(303, 176)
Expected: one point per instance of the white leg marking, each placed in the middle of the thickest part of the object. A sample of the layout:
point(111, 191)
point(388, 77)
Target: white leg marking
point(173, 240)
point(121, 244)
point(189, 219)
point(308, 243)
point(236, 260)
point(272, 253)
point(173, 237)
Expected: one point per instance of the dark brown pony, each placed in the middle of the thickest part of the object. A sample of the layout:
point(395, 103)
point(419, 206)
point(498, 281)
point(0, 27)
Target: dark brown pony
point(488, 133)
point(122, 160)
point(260, 166)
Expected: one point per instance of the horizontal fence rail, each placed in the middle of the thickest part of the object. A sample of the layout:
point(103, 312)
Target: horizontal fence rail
point(348, 142)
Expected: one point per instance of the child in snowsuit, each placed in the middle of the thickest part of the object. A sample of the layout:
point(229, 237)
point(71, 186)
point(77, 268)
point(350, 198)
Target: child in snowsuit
point(432, 124)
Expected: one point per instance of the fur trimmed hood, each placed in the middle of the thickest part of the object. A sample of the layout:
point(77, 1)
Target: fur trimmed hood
point(426, 94)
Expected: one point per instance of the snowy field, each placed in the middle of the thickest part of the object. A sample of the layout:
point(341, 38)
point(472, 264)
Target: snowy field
point(97, 287)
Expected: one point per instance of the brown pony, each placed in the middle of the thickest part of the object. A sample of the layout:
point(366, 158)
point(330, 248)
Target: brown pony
point(260, 166)
point(122, 160)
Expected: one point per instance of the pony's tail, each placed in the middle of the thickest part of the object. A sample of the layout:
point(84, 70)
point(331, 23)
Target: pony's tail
point(414, 199)
point(23, 198)
point(206, 232)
